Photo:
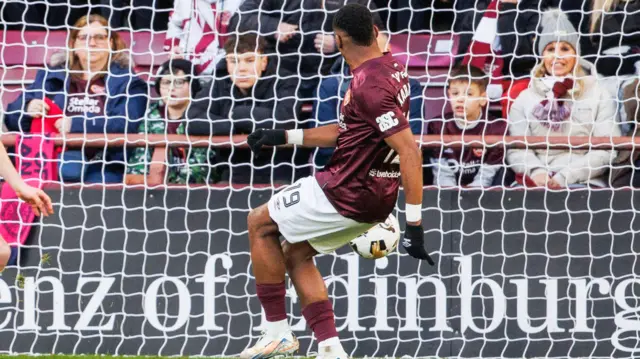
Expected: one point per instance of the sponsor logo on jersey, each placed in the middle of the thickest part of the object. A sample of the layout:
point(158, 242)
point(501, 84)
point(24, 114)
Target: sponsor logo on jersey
point(387, 121)
point(384, 174)
point(466, 168)
point(83, 105)
point(97, 89)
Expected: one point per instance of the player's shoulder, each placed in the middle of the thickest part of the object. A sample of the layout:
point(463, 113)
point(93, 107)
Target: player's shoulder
point(386, 73)
point(373, 88)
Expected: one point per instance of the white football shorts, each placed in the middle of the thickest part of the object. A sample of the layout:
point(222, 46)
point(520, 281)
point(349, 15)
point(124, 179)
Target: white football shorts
point(303, 213)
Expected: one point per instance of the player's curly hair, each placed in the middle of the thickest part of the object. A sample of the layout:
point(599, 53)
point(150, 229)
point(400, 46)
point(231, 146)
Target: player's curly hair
point(357, 21)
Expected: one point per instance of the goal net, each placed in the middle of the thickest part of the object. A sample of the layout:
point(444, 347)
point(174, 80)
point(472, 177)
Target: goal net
point(147, 253)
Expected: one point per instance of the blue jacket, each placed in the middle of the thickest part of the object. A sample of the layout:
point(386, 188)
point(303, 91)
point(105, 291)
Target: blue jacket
point(331, 92)
point(125, 106)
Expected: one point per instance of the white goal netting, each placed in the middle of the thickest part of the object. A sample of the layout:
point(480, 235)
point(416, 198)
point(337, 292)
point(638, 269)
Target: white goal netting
point(525, 113)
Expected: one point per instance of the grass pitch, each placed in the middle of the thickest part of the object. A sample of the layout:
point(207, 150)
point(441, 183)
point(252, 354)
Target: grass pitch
point(108, 357)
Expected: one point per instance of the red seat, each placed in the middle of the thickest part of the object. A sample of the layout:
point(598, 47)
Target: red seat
point(14, 80)
point(30, 48)
point(146, 47)
point(422, 51)
point(17, 75)
point(34, 48)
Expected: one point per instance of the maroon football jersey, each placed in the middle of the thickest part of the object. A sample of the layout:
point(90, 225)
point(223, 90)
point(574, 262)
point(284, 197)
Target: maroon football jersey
point(362, 178)
point(465, 162)
point(83, 101)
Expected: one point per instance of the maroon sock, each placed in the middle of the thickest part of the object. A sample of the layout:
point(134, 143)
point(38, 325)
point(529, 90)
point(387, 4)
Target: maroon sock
point(319, 317)
point(271, 297)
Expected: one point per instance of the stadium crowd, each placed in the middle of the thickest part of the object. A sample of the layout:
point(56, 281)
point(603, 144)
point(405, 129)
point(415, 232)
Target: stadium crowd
point(521, 67)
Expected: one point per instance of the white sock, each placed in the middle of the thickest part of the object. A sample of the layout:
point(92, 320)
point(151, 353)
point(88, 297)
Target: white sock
point(334, 343)
point(275, 328)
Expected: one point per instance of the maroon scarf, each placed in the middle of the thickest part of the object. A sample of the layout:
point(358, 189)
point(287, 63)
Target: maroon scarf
point(553, 112)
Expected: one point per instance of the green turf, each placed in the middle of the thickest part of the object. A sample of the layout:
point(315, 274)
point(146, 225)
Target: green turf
point(80, 356)
point(107, 357)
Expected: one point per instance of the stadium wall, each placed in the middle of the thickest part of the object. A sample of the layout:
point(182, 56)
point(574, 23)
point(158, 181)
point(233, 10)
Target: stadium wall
point(166, 272)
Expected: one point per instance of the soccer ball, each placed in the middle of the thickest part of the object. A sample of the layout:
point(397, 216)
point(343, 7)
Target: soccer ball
point(379, 241)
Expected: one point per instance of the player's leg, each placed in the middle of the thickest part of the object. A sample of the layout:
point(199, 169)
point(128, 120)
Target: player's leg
point(268, 264)
point(314, 299)
point(300, 213)
point(267, 257)
point(304, 274)
point(5, 253)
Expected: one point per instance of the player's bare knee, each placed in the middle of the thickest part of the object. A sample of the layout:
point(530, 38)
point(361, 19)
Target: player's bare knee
point(260, 224)
point(256, 218)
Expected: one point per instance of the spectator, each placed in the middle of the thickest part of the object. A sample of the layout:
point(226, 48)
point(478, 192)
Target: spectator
point(331, 93)
point(470, 167)
point(196, 31)
point(99, 93)
point(468, 14)
point(418, 16)
point(43, 15)
point(561, 101)
point(301, 35)
point(631, 99)
point(615, 33)
point(518, 26)
point(631, 96)
point(136, 14)
point(176, 85)
point(251, 97)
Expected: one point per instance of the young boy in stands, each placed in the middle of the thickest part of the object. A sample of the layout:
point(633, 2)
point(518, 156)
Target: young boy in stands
point(466, 166)
point(253, 96)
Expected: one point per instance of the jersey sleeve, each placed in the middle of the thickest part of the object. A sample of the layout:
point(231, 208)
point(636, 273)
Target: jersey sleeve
point(380, 109)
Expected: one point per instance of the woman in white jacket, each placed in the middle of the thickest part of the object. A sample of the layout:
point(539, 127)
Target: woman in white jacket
point(562, 100)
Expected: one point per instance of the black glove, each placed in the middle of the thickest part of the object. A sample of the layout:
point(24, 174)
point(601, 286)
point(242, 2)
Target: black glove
point(413, 243)
point(261, 137)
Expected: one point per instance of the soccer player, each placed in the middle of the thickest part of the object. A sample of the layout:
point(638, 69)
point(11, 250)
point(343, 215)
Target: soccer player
point(39, 201)
point(357, 188)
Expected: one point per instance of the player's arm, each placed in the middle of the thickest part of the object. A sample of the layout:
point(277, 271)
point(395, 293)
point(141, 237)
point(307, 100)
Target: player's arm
point(410, 155)
point(39, 201)
point(323, 136)
point(405, 146)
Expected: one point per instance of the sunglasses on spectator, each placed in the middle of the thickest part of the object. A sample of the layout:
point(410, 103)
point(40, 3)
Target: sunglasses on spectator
point(175, 82)
point(97, 37)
